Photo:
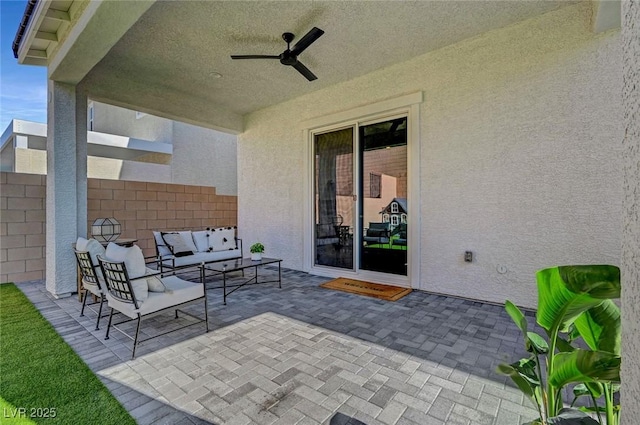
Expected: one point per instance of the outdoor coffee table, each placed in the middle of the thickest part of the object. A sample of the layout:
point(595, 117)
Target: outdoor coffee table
point(240, 264)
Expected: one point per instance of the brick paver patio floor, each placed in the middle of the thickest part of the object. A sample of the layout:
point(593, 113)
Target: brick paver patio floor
point(304, 355)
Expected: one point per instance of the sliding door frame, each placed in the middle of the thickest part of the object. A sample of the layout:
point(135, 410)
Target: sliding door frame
point(408, 105)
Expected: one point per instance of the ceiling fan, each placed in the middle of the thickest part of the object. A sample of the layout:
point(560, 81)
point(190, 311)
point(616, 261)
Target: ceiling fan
point(290, 56)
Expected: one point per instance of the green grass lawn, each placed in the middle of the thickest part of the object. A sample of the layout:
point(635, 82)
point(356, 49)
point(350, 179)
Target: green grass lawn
point(40, 375)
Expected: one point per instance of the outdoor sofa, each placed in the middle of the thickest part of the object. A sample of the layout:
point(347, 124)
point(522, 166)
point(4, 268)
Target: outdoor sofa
point(186, 248)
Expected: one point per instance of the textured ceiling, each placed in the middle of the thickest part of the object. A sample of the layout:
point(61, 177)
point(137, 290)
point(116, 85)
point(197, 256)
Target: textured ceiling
point(169, 54)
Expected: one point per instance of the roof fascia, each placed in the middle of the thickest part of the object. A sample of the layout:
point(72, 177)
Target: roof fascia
point(37, 16)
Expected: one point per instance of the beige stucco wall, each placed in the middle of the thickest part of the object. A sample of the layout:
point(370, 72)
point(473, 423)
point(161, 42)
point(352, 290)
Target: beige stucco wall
point(520, 136)
point(631, 218)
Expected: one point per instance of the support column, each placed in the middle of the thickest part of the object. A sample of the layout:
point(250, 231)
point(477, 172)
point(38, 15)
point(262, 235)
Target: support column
point(630, 267)
point(66, 183)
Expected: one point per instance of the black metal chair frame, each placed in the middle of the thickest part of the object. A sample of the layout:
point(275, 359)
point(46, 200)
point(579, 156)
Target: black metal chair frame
point(120, 288)
point(88, 271)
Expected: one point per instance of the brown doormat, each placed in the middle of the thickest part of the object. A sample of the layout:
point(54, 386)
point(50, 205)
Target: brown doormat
point(376, 290)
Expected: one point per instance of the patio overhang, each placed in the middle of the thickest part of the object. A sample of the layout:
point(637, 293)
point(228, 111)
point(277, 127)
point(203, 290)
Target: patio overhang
point(137, 61)
point(33, 135)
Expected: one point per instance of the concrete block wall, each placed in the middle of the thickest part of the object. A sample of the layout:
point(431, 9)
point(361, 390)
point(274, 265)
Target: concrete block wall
point(22, 227)
point(140, 207)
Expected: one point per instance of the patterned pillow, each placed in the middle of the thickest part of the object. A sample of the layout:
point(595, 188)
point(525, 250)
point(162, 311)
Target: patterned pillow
point(222, 239)
point(163, 249)
point(177, 244)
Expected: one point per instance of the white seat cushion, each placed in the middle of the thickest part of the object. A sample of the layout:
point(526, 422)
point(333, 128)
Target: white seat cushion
point(178, 291)
point(200, 257)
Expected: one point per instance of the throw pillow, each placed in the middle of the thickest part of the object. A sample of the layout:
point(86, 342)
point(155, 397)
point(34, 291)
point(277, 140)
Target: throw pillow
point(176, 244)
point(222, 239)
point(154, 283)
point(163, 249)
point(187, 237)
point(201, 240)
point(140, 289)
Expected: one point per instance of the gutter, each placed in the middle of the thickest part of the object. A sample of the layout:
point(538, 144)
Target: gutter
point(31, 4)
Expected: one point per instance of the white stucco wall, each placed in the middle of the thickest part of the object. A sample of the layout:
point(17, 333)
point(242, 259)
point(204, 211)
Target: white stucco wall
point(631, 218)
point(204, 157)
point(520, 136)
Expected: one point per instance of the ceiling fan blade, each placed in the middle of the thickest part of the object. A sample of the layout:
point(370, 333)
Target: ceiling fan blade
point(304, 71)
point(254, 57)
point(306, 41)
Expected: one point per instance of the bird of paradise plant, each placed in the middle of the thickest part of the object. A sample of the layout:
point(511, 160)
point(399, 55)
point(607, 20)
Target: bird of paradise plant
point(574, 304)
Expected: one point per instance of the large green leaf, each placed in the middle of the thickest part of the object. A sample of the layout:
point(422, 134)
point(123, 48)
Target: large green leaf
point(516, 315)
point(565, 292)
point(588, 389)
point(523, 373)
point(533, 342)
point(600, 281)
point(585, 366)
point(600, 327)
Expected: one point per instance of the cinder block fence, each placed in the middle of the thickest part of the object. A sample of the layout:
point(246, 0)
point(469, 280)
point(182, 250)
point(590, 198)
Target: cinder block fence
point(139, 206)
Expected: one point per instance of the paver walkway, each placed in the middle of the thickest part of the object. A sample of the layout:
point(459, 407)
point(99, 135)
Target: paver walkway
point(307, 355)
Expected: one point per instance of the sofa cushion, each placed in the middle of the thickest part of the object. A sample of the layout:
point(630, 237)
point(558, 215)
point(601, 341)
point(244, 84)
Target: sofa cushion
point(92, 246)
point(131, 256)
point(203, 257)
point(201, 239)
point(222, 239)
point(134, 262)
point(177, 243)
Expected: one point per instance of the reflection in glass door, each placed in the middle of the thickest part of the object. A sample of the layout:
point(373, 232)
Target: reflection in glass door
point(334, 201)
point(383, 185)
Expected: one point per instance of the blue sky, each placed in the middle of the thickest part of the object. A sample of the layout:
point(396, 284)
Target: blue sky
point(23, 88)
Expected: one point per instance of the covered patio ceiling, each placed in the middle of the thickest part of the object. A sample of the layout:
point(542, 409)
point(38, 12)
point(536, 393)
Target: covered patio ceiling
point(172, 58)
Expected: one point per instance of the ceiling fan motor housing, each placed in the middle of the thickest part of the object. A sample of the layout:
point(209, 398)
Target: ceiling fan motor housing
point(288, 58)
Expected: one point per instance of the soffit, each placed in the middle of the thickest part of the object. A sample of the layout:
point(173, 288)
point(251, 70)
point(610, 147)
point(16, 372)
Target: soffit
point(167, 56)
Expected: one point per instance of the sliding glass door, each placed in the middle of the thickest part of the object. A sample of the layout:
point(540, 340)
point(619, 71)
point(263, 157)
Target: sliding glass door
point(383, 179)
point(360, 193)
point(334, 200)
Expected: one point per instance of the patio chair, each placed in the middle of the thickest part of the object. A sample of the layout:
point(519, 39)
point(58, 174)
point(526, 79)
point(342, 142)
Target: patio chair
point(329, 231)
point(92, 282)
point(135, 299)
point(377, 233)
point(401, 240)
